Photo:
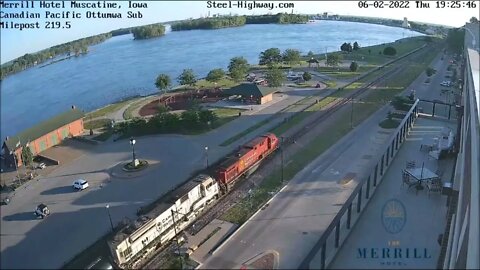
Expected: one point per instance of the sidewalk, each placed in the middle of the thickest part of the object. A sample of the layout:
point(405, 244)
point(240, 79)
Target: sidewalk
point(422, 222)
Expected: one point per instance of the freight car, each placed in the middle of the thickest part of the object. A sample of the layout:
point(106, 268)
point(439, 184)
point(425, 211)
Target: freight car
point(245, 160)
point(180, 208)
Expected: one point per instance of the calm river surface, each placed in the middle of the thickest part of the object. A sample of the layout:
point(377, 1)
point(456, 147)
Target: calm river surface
point(122, 67)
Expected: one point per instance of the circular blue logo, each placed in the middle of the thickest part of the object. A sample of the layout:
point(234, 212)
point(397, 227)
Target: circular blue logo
point(394, 216)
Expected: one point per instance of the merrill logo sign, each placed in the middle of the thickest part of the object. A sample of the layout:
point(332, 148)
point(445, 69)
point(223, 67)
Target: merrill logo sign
point(393, 253)
point(394, 218)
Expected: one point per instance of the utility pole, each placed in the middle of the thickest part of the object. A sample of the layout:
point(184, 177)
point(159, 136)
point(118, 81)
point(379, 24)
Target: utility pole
point(176, 236)
point(351, 114)
point(281, 148)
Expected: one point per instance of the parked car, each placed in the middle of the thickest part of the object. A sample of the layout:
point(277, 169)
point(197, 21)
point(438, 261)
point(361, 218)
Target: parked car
point(41, 166)
point(446, 83)
point(80, 184)
point(41, 211)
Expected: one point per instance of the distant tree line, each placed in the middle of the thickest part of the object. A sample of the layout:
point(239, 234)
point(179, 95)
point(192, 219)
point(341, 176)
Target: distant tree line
point(122, 31)
point(232, 21)
point(209, 23)
point(282, 18)
point(29, 60)
point(148, 31)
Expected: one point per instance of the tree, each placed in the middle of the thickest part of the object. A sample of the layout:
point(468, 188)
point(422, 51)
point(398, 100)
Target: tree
point(389, 51)
point(274, 76)
point(187, 77)
point(291, 56)
point(473, 20)
point(307, 76)
point(27, 155)
point(310, 54)
point(215, 75)
point(206, 116)
point(190, 117)
point(346, 47)
point(238, 68)
point(270, 56)
point(356, 46)
point(353, 66)
point(333, 59)
point(163, 82)
point(430, 71)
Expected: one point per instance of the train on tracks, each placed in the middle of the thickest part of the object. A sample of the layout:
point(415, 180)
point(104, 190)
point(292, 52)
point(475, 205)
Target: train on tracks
point(134, 241)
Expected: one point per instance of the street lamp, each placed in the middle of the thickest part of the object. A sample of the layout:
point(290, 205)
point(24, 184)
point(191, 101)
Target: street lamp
point(351, 114)
point(281, 149)
point(109, 217)
point(132, 143)
point(176, 236)
point(206, 155)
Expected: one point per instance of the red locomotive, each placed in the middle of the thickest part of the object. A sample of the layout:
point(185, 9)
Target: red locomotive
point(246, 159)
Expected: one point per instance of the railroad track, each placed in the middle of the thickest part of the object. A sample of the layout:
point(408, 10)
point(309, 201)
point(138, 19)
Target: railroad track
point(241, 190)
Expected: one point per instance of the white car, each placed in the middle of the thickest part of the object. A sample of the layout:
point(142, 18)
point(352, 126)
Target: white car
point(80, 184)
point(446, 83)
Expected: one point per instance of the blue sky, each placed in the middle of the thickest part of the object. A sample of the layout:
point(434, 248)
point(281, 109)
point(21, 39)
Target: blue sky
point(15, 43)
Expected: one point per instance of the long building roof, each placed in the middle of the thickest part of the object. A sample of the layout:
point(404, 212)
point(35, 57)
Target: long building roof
point(250, 89)
point(43, 128)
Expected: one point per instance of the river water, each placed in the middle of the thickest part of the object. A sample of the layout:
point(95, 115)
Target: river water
point(123, 67)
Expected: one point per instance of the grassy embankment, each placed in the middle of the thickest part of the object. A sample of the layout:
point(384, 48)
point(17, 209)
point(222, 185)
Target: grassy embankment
point(370, 55)
point(295, 163)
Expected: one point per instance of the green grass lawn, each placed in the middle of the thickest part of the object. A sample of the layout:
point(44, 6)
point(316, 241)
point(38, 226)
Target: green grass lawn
point(98, 123)
point(108, 109)
point(128, 113)
point(389, 124)
point(300, 116)
point(344, 72)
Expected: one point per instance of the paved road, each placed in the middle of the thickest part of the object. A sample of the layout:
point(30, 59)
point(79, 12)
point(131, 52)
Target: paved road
point(297, 216)
point(79, 218)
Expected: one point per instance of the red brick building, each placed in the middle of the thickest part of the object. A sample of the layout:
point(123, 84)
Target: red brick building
point(43, 136)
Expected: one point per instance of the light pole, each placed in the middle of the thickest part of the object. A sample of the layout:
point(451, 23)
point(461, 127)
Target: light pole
point(132, 143)
point(281, 155)
point(176, 237)
point(109, 217)
point(351, 114)
point(206, 155)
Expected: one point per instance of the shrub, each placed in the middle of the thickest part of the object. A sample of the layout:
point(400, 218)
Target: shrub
point(430, 71)
point(401, 103)
point(390, 51)
point(307, 76)
point(353, 66)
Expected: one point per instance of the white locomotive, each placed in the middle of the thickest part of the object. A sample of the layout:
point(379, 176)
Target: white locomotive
point(154, 229)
